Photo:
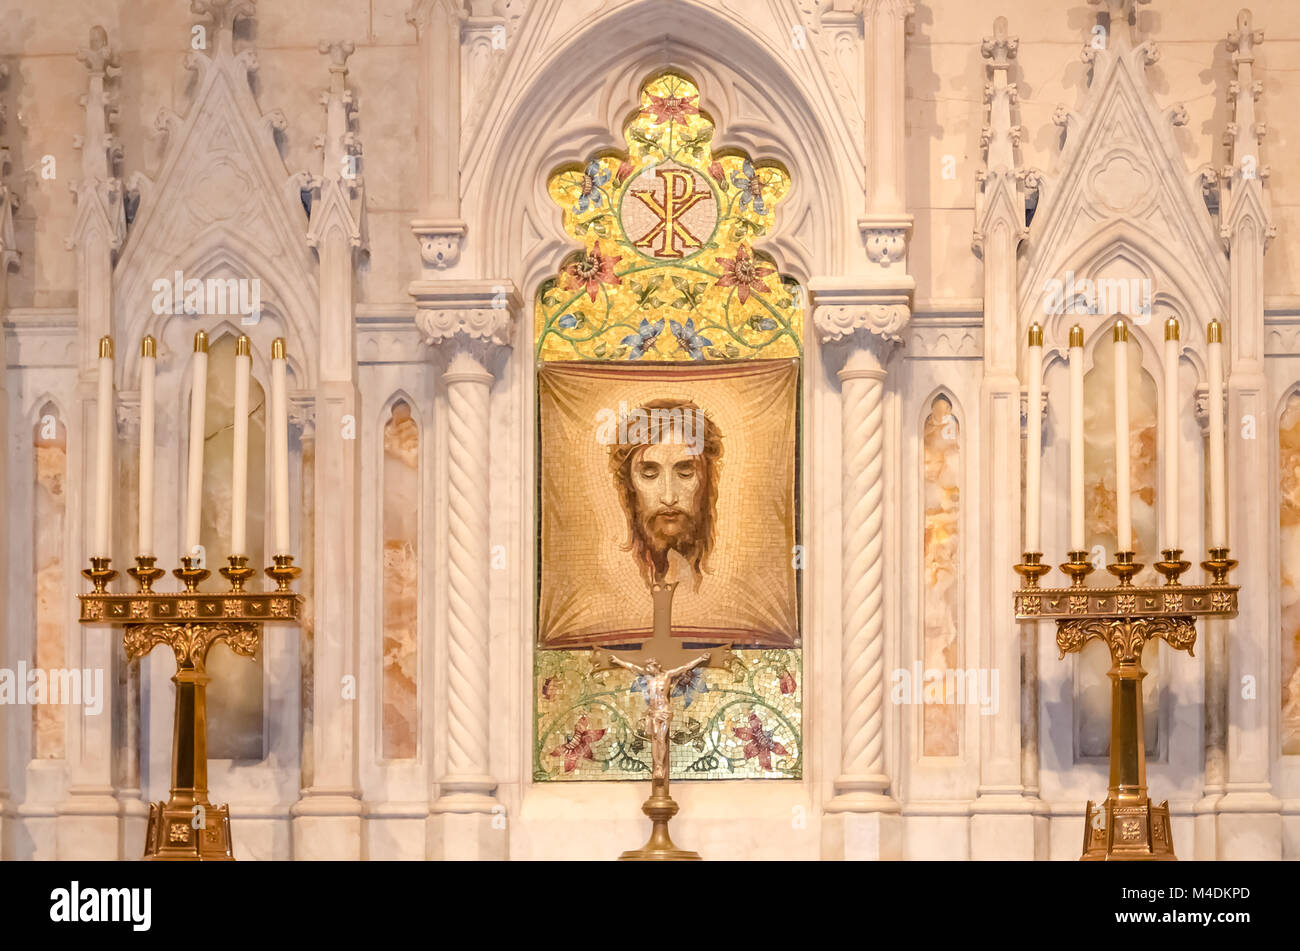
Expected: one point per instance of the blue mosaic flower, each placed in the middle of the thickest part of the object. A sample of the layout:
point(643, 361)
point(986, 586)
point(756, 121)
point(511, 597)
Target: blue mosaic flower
point(592, 179)
point(643, 339)
point(690, 341)
point(751, 189)
point(568, 321)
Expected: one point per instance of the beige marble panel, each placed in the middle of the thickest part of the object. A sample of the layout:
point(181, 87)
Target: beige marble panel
point(942, 598)
point(50, 442)
point(1100, 526)
point(401, 583)
point(1289, 569)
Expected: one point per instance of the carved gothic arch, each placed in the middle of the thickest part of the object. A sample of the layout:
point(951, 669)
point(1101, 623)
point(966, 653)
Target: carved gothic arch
point(223, 146)
point(759, 105)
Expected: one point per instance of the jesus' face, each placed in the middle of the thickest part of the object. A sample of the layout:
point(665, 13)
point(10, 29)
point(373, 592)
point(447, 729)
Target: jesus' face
point(668, 487)
point(667, 483)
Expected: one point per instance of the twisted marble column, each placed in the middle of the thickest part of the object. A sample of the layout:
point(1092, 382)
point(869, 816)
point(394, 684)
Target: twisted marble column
point(468, 457)
point(859, 327)
point(863, 544)
point(470, 322)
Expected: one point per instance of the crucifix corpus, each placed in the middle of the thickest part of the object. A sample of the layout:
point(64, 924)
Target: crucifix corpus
point(662, 661)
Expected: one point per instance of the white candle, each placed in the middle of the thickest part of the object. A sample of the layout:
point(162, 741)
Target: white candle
point(239, 468)
point(1218, 497)
point(280, 445)
point(103, 449)
point(1172, 353)
point(1034, 447)
point(1077, 539)
point(148, 364)
point(198, 408)
point(1123, 491)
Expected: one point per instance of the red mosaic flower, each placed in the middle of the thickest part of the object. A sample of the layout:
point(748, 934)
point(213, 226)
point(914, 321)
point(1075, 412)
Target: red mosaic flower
point(577, 745)
point(787, 682)
point(550, 688)
point(759, 742)
point(717, 171)
point(743, 273)
point(593, 270)
point(671, 108)
point(624, 170)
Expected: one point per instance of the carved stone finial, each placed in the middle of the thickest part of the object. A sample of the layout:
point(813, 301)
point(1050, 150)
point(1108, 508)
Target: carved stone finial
point(1000, 140)
point(339, 189)
point(1121, 13)
point(223, 14)
point(99, 191)
point(1245, 174)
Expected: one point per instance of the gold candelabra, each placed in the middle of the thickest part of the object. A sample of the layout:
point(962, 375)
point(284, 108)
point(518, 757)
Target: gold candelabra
point(188, 827)
point(1127, 826)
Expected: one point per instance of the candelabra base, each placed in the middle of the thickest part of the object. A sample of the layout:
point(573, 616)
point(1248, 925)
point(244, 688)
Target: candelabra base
point(660, 807)
point(1127, 831)
point(172, 837)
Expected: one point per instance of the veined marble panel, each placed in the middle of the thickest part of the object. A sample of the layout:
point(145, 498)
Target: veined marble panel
point(1289, 569)
point(401, 584)
point(50, 445)
point(940, 644)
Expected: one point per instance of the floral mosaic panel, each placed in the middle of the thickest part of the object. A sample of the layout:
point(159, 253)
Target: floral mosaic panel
point(668, 270)
point(741, 723)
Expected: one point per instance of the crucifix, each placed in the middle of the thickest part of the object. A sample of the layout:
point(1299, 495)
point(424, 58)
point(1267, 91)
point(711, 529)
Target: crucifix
point(662, 661)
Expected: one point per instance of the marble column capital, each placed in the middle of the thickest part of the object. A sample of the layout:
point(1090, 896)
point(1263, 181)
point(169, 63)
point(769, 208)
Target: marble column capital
point(862, 316)
point(474, 318)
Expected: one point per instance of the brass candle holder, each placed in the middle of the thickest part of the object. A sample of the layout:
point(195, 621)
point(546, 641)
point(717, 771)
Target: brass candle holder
point(1127, 826)
point(188, 827)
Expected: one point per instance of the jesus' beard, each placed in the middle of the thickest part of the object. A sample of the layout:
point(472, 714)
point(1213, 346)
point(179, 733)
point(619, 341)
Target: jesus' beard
point(671, 541)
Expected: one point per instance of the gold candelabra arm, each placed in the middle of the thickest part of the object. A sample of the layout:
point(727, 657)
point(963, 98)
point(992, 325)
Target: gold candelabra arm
point(237, 572)
point(144, 573)
point(100, 574)
point(282, 571)
point(1078, 568)
point(1031, 568)
point(1218, 565)
point(1124, 568)
point(1172, 565)
point(190, 573)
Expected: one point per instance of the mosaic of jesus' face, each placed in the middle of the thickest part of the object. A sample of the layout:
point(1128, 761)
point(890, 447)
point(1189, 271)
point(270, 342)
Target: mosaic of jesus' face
point(667, 482)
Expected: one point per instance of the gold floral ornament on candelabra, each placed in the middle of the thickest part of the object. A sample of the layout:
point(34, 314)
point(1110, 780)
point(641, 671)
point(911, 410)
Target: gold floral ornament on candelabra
point(1127, 826)
point(188, 827)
